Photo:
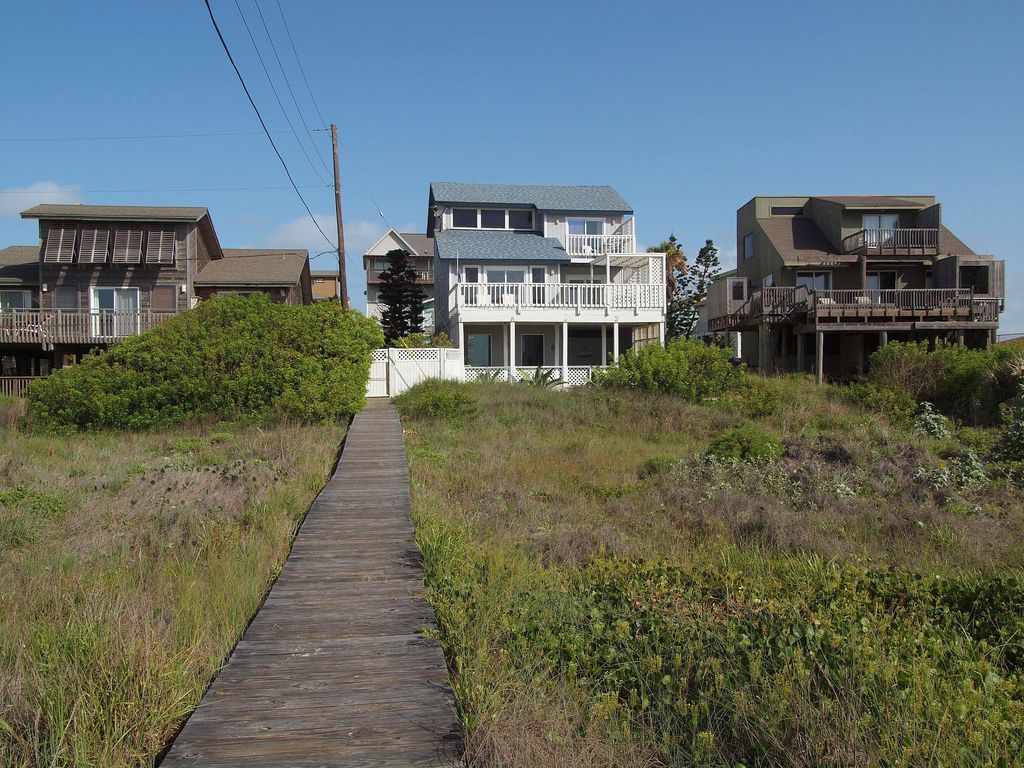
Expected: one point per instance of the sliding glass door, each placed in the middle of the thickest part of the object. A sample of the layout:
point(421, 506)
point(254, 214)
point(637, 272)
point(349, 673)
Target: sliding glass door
point(115, 311)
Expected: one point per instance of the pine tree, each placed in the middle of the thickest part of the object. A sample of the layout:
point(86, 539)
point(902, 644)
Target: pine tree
point(401, 298)
point(698, 280)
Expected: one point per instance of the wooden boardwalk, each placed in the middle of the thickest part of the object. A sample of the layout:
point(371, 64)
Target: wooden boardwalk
point(333, 671)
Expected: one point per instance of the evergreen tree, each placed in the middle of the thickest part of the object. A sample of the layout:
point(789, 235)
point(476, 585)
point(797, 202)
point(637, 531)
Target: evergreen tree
point(698, 280)
point(401, 298)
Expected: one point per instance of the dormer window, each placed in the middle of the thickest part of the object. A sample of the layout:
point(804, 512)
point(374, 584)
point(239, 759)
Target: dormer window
point(492, 218)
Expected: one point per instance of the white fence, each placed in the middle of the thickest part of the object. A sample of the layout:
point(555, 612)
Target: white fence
point(578, 375)
point(396, 369)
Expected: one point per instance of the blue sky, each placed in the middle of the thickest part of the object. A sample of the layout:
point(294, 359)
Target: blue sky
point(688, 109)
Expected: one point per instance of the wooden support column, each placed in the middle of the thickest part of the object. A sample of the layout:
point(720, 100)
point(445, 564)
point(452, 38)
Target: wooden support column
point(763, 336)
point(565, 353)
point(615, 342)
point(960, 337)
point(511, 350)
point(883, 339)
point(819, 357)
point(462, 337)
point(661, 333)
point(799, 352)
point(604, 345)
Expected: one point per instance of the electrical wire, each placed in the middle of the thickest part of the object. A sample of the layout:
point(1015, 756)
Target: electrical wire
point(277, 96)
point(299, 62)
point(73, 192)
point(256, 109)
point(288, 83)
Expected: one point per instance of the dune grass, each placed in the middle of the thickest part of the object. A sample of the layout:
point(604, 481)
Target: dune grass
point(129, 566)
point(609, 595)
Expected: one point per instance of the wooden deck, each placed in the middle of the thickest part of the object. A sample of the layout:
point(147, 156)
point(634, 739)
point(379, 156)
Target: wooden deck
point(333, 671)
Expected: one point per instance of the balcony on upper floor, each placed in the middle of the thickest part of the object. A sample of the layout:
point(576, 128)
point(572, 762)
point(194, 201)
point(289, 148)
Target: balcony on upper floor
point(621, 240)
point(893, 241)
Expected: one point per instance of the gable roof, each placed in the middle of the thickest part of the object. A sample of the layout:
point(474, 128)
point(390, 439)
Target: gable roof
point(115, 212)
point(255, 266)
point(875, 201)
point(19, 265)
point(419, 245)
point(544, 197)
point(484, 245)
point(799, 241)
point(950, 243)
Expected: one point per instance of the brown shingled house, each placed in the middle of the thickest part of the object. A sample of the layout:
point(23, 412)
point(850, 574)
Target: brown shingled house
point(822, 282)
point(102, 273)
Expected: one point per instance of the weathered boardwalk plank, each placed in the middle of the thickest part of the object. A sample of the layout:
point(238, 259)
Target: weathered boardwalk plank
point(333, 670)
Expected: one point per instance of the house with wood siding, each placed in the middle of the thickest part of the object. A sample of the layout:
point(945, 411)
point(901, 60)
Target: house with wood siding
point(102, 273)
point(822, 282)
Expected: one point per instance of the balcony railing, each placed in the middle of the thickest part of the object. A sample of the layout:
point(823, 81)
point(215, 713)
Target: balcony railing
point(50, 327)
point(895, 241)
point(422, 275)
point(635, 296)
point(599, 245)
point(15, 386)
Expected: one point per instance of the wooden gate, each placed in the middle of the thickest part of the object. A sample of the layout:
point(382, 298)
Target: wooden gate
point(394, 370)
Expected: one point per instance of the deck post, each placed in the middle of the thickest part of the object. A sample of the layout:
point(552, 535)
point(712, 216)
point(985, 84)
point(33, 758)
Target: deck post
point(799, 352)
point(960, 337)
point(512, 350)
point(661, 333)
point(604, 345)
point(762, 348)
point(615, 342)
point(565, 352)
point(462, 337)
point(883, 339)
point(819, 357)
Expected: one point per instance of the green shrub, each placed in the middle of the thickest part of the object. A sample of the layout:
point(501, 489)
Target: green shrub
point(932, 424)
point(964, 384)
point(1010, 446)
point(696, 372)
point(897, 405)
point(745, 444)
point(231, 357)
point(437, 398)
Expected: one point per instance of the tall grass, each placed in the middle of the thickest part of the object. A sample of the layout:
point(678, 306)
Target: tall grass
point(608, 594)
point(129, 566)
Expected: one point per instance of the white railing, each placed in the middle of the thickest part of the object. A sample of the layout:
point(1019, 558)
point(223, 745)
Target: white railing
point(15, 386)
point(561, 295)
point(577, 375)
point(599, 245)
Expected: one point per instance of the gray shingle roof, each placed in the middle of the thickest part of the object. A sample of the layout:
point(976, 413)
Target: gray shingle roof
point(483, 245)
point(254, 266)
point(422, 244)
point(544, 197)
point(19, 265)
point(115, 212)
point(876, 201)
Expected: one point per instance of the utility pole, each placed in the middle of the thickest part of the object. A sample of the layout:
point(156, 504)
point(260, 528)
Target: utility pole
point(342, 280)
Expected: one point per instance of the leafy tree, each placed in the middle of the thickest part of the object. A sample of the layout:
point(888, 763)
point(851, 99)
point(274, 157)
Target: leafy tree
point(676, 276)
point(402, 300)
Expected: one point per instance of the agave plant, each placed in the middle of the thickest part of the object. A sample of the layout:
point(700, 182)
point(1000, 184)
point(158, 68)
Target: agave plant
point(491, 375)
point(546, 378)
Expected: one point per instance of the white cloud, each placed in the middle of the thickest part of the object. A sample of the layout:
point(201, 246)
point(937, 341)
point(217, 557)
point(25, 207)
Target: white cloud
point(17, 199)
point(302, 233)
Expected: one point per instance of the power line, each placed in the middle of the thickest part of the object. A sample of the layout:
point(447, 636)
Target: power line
point(287, 82)
point(145, 191)
point(299, 62)
point(277, 97)
point(36, 139)
point(256, 109)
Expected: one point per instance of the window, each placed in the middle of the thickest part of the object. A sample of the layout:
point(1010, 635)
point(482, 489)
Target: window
point(165, 298)
point(881, 281)
point(768, 281)
point(464, 217)
point(877, 225)
point(585, 226)
point(60, 244)
point(538, 275)
point(115, 311)
point(127, 246)
point(471, 274)
point(520, 219)
point(975, 277)
point(15, 299)
point(738, 290)
point(93, 246)
point(516, 275)
point(65, 297)
point(478, 349)
point(492, 219)
point(748, 246)
point(787, 210)
point(814, 281)
point(160, 246)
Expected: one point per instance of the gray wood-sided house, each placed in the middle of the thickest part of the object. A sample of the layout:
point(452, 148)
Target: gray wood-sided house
point(822, 282)
point(102, 273)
